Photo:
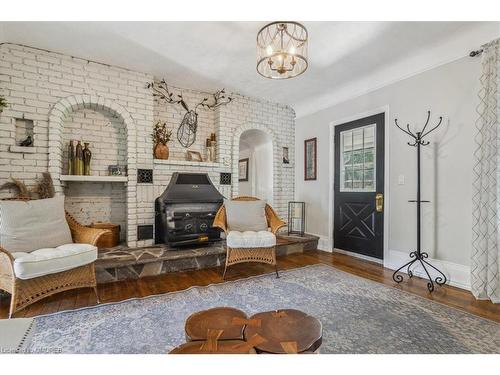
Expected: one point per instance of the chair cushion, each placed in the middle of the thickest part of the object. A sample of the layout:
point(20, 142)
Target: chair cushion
point(52, 260)
point(250, 239)
point(29, 225)
point(246, 215)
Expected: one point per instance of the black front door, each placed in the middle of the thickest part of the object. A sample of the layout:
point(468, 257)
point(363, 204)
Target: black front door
point(359, 186)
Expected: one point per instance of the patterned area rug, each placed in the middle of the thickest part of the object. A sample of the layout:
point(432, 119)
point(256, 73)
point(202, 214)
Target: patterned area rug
point(358, 316)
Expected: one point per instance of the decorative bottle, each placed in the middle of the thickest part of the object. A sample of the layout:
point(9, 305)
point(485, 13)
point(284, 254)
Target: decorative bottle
point(79, 159)
point(211, 151)
point(87, 156)
point(212, 147)
point(71, 157)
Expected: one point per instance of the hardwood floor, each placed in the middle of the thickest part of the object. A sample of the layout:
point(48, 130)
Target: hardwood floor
point(118, 291)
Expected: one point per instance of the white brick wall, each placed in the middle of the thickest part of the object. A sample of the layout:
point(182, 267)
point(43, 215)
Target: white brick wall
point(81, 98)
point(106, 135)
point(173, 114)
point(93, 202)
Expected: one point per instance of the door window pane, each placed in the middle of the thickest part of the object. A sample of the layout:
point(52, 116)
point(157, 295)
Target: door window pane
point(357, 159)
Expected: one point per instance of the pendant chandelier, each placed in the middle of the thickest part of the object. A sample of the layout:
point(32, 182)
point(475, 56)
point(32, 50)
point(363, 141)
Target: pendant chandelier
point(282, 50)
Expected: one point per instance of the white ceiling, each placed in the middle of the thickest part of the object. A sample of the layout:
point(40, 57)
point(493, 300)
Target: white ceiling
point(346, 59)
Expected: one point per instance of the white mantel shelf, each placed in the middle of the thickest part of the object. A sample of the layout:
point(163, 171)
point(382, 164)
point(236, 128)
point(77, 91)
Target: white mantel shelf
point(94, 178)
point(187, 163)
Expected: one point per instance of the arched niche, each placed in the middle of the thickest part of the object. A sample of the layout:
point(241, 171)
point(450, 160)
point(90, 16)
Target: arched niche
point(261, 148)
point(67, 108)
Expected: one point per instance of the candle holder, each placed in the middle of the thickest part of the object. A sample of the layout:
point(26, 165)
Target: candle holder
point(296, 218)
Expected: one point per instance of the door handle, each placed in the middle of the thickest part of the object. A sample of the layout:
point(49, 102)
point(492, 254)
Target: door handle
point(379, 202)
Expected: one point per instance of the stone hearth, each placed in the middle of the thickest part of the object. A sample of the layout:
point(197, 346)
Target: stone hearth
point(123, 263)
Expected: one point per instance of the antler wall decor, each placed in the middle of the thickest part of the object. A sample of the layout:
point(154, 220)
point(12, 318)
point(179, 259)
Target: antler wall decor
point(186, 134)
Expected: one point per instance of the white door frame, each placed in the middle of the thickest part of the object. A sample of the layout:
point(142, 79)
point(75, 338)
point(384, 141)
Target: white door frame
point(385, 110)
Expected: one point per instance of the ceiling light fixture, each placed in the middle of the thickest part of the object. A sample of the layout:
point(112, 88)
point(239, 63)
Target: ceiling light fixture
point(282, 50)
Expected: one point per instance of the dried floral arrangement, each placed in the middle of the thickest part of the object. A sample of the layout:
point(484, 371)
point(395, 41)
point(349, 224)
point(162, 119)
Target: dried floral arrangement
point(20, 189)
point(44, 188)
point(161, 135)
point(3, 103)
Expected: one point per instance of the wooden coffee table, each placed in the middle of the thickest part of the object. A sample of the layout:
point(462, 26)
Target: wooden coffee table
point(229, 320)
point(225, 330)
point(220, 347)
point(286, 331)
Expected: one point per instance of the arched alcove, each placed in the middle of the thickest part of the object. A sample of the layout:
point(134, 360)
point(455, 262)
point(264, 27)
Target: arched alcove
point(257, 143)
point(256, 148)
point(111, 132)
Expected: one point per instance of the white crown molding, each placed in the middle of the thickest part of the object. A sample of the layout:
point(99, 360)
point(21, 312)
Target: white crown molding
point(457, 46)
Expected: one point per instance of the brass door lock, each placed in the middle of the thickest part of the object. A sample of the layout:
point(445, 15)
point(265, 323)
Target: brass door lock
point(379, 202)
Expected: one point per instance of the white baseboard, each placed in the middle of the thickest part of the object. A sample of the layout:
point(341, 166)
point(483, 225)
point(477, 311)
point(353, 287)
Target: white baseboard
point(458, 275)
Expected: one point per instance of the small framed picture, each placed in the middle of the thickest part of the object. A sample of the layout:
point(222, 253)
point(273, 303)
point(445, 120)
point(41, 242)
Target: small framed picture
point(243, 170)
point(310, 162)
point(193, 156)
point(286, 157)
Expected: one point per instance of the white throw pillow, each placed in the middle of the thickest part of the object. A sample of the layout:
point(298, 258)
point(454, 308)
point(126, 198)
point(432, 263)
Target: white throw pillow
point(246, 215)
point(30, 225)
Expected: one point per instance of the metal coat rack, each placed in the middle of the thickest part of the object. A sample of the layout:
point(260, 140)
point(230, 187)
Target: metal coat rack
point(418, 255)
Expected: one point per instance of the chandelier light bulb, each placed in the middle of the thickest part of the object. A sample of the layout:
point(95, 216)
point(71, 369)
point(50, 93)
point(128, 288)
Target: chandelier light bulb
point(269, 50)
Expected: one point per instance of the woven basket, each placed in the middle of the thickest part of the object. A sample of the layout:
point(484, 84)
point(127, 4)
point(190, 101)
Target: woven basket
point(110, 239)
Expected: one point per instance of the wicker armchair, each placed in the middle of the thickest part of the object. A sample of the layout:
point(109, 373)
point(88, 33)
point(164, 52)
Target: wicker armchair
point(24, 292)
point(253, 254)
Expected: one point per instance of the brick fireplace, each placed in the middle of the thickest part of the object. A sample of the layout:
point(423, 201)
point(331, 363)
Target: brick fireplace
point(73, 98)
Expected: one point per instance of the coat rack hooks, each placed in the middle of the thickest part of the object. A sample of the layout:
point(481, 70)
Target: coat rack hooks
point(418, 255)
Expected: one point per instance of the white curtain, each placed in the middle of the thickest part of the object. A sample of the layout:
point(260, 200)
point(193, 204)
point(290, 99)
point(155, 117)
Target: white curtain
point(485, 261)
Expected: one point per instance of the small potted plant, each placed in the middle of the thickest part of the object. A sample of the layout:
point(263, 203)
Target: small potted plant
point(3, 103)
point(161, 136)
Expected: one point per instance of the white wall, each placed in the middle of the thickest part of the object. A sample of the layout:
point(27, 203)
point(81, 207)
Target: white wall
point(257, 146)
point(246, 187)
point(449, 91)
point(263, 171)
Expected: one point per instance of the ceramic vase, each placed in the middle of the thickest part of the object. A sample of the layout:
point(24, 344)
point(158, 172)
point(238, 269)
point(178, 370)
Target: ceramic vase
point(78, 165)
point(71, 157)
point(161, 151)
point(211, 151)
point(87, 156)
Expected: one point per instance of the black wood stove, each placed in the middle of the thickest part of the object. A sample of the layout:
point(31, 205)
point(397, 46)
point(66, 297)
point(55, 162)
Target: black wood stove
point(184, 213)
